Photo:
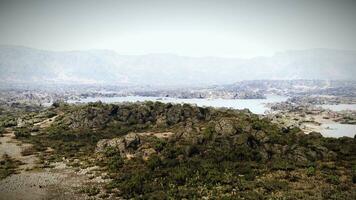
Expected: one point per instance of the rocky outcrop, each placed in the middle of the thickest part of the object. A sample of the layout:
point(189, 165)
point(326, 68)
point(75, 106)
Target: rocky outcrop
point(134, 144)
point(99, 115)
point(258, 138)
point(225, 127)
point(130, 140)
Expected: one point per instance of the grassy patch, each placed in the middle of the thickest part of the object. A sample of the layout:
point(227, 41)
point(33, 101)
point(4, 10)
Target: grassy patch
point(8, 166)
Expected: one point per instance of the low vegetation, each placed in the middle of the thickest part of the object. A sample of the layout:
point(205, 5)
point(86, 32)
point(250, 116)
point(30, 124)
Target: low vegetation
point(213, 153)
point(8, 166)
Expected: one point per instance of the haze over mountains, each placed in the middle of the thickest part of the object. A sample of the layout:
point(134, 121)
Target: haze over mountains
point(27, 65)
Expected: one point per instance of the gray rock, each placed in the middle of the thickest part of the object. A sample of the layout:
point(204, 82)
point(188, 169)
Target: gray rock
point(225, 127)
point(131, 140)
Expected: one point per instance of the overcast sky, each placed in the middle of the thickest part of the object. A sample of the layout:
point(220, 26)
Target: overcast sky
point(193, 27)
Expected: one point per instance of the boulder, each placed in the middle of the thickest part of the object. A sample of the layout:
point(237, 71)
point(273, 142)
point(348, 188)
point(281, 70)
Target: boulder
point(300, 157)
point(315, 135)
point(118, 143)
point(225, 127)
point(146, 153)
point(173, 115)
point(131, 140)
point(261, 137)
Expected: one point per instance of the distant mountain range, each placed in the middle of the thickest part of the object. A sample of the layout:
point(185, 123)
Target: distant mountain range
point(27, 65)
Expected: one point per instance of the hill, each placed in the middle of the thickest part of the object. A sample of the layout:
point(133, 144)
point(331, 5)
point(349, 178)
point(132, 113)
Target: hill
point(153, 150)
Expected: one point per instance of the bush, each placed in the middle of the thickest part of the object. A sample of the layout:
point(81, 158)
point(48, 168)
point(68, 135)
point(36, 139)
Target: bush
point(153, 162)
point(2, 130)
point(180, 175)
point(22, 133)
point(91, 191)
point(190, 150)
point(10, 123)
point(333, 179)
point(133, 185)
point(114, 159)
point(28, 151)
point(8, 166)
point(275, 185)
point(159, 144)
point(311, 171)
point(282, 164)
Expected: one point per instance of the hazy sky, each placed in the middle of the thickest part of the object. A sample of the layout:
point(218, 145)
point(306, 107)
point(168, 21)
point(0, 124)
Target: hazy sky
point(195, 28)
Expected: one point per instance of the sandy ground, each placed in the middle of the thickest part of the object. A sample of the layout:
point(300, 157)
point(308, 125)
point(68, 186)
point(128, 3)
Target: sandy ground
point(163, 135)
point(44, 184)
point(46, 123)
point(31, 183)
point(12, 147)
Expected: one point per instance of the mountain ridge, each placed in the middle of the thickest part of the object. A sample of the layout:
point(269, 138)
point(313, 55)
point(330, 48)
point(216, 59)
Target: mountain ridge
point(20, 64)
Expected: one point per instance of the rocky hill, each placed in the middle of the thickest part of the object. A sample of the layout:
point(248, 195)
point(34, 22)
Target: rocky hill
point(153, 150)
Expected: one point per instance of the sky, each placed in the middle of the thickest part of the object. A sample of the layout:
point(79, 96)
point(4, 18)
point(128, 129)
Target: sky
point(225, 28)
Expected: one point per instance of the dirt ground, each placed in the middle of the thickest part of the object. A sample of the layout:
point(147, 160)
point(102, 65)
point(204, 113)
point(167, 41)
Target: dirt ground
point(33, 183)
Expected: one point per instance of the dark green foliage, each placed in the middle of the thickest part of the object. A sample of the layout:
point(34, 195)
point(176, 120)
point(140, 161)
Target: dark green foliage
point(23, 132)
point(275, 185)
point(311, 171)
point(2, 130)
point(333, 179)
point(209, 132)
point(191, 150)
point(154, 162)
point(114, 160)
point(9, 122)
point(133, 184)
point(8, 166)
point(282, 164)
point(159, 144)
point(91, 190)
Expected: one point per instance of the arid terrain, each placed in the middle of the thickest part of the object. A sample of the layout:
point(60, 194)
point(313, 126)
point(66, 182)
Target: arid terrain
point(153, 150)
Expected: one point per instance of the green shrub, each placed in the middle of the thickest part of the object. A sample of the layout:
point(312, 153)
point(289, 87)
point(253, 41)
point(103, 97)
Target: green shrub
point(9, 123)
point(333, 179)
point(311, 171)
point(180, 175)
point(282, 164)
point(133, 185)
point(22, 133)
point(190, 150)
point(91, 190)
point(28, 151)
point(153, 162)
point(208, 133)
point(114, 159)
point(2, 130)
point(8, 166)
point(275, 185)
point(159, 144)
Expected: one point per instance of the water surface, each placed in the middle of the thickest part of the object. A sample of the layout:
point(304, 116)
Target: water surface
point(338, 130)
point(257, 106)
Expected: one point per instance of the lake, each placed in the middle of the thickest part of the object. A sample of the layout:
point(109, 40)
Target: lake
point(338, 130)
point(339, 107)
point(257, 106)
